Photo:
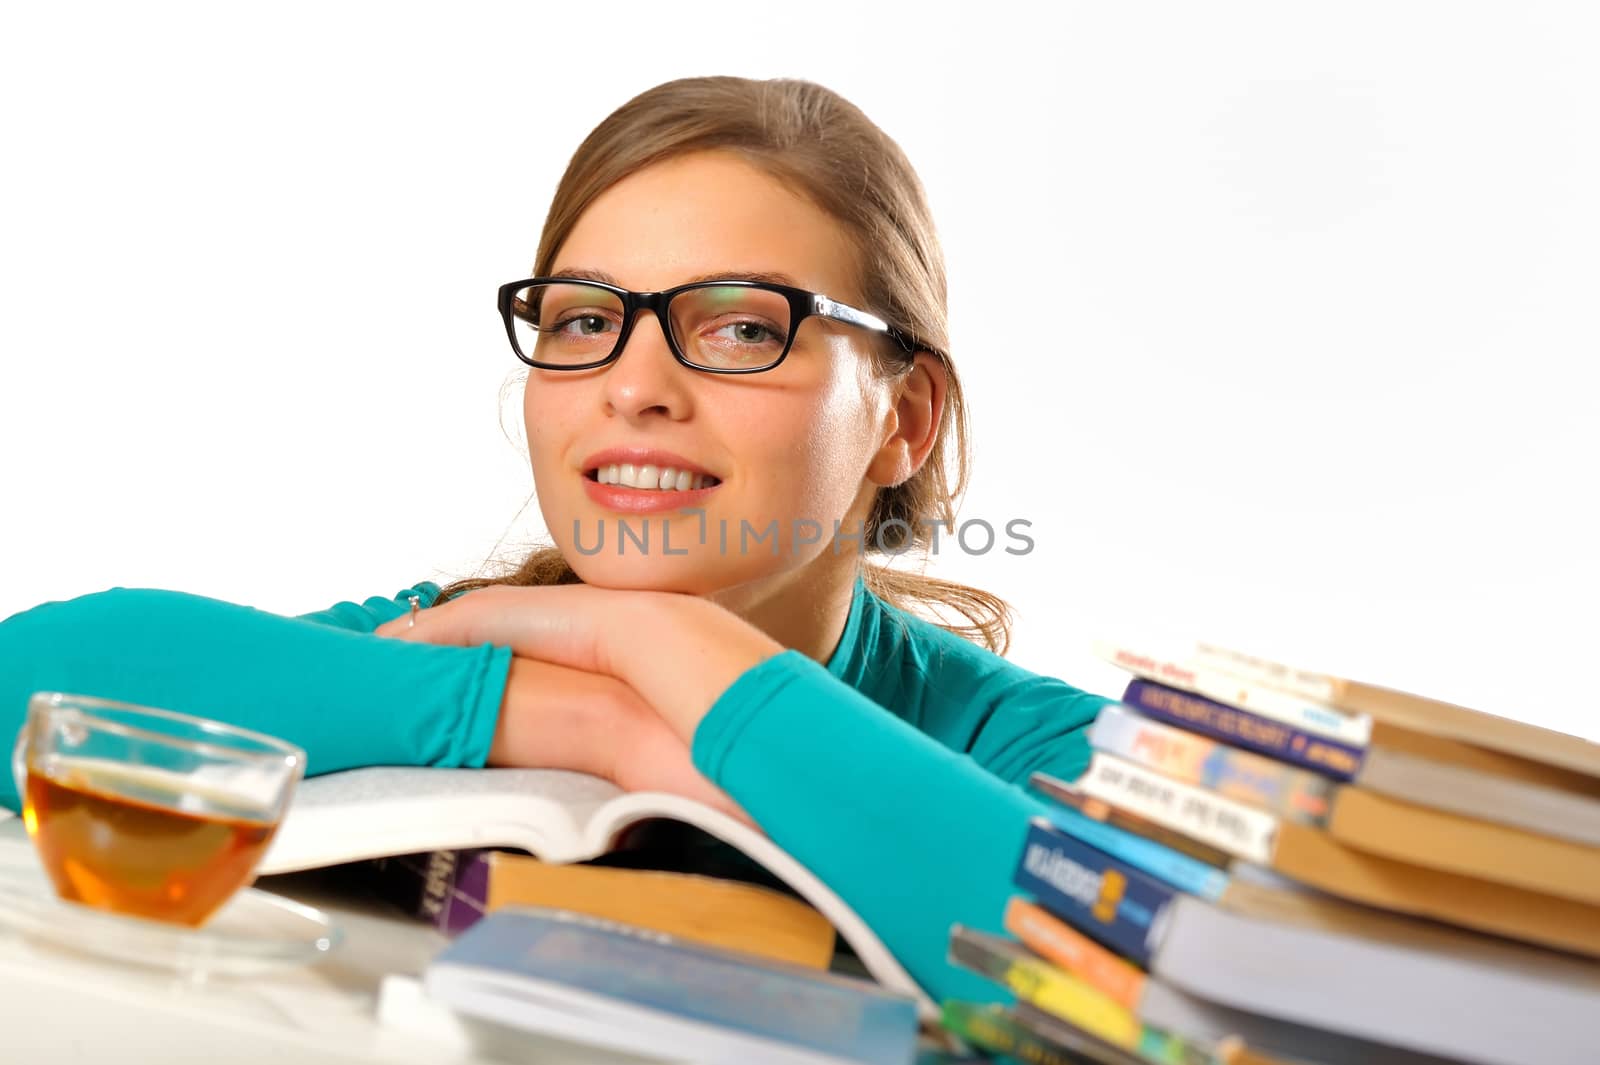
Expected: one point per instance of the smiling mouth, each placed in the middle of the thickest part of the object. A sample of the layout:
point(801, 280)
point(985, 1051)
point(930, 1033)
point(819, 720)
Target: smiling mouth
point(650, 478)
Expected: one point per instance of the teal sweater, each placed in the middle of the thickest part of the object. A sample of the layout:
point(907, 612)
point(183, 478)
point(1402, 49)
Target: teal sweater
point(895, 772)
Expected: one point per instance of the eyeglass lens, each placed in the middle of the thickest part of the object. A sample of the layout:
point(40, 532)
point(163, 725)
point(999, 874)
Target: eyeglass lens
point(720, 327)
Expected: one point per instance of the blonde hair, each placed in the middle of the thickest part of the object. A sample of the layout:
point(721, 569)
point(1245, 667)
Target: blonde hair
point(824, 148)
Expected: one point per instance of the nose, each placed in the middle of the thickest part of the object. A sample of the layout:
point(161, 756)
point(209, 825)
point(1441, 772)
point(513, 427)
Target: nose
point(645, 377)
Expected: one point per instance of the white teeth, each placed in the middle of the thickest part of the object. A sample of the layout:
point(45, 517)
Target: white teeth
point(653, 478)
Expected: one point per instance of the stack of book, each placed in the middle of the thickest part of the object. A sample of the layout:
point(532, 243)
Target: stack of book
point(1265, 864)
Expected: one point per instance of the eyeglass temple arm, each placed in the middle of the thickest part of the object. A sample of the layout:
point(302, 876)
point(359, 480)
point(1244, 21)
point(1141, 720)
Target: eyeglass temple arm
point(520, 308)
point(823, 307)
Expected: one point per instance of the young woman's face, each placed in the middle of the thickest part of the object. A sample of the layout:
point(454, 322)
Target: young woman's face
point(790, 446)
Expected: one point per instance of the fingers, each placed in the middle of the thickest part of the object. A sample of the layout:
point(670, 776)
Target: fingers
point(401, 628)
point(561, 624)
point(678, 651)
point(446, 623)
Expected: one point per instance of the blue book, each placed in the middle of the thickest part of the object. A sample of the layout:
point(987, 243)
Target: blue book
point(1100, 896)
point(603, 983)
point(1241, 728)
point(1187, 874)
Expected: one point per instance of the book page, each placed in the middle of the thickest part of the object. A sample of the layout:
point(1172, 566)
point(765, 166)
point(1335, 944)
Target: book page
point(380, 811)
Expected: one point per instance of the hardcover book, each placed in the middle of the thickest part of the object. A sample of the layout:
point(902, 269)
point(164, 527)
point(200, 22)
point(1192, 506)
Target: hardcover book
point(1170, 866)
point(1233, 827)
point(609, 984)
point(453, 890)
point(1071, 795)
point(1273, 785)
point(1058, 942)
point(1099, 895)
point(1243, 728)
point(1166, 1006)
point(1439, 992)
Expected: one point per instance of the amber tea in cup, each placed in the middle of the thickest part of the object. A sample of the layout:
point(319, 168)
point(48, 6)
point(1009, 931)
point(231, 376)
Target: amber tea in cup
point(148, 812)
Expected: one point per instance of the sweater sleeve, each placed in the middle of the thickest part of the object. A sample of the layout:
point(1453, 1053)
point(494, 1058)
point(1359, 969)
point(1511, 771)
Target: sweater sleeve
point(1022, 723)
point(320, 681)
point(913, 835)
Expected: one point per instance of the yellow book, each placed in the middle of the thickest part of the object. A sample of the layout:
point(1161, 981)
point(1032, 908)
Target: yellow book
point(700, 909)
point(1063, 995)
point(1073, 1000)
point(1057, 941)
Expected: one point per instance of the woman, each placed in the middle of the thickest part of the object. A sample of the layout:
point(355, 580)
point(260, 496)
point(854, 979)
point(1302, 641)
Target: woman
point(713, 474)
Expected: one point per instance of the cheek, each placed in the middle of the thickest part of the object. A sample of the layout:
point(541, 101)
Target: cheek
point(828, 440)
point(545, 419)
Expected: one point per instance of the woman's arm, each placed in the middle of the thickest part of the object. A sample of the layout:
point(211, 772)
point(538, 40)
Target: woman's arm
point(915, 836)
point(322, 682)
point(1023, 723)
point(347, 698)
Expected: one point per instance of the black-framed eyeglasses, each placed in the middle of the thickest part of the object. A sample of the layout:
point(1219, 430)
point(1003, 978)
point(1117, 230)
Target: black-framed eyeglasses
point(727, 327)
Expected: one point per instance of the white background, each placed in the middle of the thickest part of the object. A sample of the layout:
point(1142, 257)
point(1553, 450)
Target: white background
point(1279, 321)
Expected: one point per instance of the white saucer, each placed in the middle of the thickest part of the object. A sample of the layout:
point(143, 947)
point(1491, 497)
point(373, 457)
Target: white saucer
point(254, 932)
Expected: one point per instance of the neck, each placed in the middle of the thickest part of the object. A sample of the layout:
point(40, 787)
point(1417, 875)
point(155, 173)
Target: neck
point(804, 609)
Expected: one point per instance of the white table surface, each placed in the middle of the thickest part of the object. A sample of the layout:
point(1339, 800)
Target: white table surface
point(59, 1006)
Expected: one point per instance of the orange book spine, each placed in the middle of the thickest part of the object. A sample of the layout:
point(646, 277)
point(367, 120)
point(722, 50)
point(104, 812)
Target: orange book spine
point(1057, 941)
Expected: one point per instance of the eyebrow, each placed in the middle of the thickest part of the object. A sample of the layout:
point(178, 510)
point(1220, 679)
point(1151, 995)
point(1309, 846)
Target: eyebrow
point(579, 273)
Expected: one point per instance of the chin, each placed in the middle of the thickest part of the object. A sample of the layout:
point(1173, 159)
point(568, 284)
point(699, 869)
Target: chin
point(702, 572)
point(683, 574)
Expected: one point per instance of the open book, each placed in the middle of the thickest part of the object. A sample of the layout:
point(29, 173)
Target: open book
point(557, 816)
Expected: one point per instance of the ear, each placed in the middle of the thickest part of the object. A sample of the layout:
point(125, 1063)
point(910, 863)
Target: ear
point(912, 423)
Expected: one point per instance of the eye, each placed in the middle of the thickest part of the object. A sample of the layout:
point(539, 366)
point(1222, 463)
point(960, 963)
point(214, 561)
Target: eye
point(589, 325)
point(749, 332)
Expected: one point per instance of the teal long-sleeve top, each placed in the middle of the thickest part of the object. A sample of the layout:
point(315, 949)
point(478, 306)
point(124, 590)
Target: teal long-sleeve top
point(895, 772)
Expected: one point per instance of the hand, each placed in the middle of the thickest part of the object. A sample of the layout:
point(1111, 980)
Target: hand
point(678, 652)
point(557, 717)
point(648, 756)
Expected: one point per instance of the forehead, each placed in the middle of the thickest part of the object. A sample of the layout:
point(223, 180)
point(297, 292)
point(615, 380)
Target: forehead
point(708, 213)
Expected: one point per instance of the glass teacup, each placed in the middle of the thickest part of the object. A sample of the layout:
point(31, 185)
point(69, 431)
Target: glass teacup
point(148, 812)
